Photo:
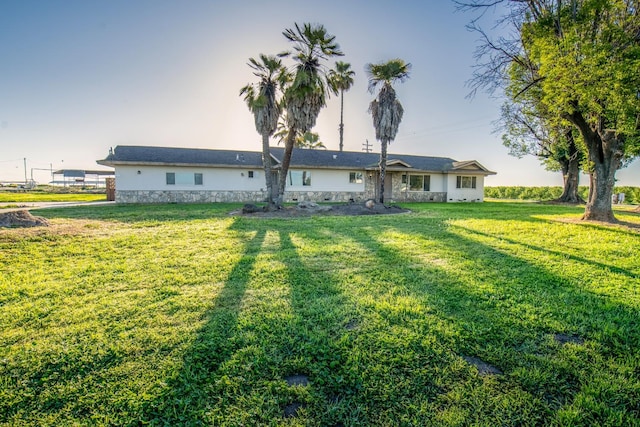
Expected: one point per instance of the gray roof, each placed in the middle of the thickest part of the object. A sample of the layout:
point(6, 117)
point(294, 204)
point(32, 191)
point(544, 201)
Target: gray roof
point(143, 155)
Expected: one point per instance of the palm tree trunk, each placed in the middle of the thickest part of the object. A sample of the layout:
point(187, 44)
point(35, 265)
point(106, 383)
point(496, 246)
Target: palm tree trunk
point(341, 119)
point(268, 176)
point(383, 168)
point(286, 161)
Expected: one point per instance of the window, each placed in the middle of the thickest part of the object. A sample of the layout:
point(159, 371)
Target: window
point(355, 177)
point(250, 174)
point(465, 182)
point(299, 178)
point(417, 183)
point(182, 178)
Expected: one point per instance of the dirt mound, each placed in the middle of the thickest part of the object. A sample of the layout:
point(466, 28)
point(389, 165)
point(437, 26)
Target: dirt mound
point(21, 219)
point(313, 209)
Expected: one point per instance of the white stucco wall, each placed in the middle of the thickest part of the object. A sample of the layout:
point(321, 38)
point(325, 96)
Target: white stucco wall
point(464, 194)
point(328, 180)
point(154, 178)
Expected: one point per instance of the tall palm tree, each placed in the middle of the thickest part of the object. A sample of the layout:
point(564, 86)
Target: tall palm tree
point(262, 100)
point(386, 110)
point(341, 80)
point(307, 93)
point(303, 140)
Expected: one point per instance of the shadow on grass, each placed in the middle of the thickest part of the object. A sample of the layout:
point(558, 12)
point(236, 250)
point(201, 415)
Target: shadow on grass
point(134, 213)
point(506, 311)
point(187, 396)
point(582, 260)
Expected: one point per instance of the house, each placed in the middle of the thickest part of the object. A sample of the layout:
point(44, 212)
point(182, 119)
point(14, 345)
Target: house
point(185, 175)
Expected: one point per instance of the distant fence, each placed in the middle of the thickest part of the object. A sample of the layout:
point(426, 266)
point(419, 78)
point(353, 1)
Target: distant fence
point(631, 194)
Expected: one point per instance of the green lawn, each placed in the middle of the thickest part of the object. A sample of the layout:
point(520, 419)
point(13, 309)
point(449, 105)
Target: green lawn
point(9, 197)
point(183, 315)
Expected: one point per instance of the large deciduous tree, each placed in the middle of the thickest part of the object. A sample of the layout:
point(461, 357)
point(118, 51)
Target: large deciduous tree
point(341, 80)
point(262, 100)
point(306, 95)
point(527, 129)
point(587, 56)
point(386, 110)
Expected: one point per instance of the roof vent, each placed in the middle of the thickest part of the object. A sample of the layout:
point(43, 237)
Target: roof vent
point(335, 156)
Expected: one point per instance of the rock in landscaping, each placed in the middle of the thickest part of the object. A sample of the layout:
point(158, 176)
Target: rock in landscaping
point(21, 219)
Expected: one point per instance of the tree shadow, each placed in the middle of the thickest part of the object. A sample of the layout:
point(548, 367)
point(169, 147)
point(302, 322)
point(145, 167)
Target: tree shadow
point(134, 213)
point(582, 260)
point(187, 396)
point(507, 312)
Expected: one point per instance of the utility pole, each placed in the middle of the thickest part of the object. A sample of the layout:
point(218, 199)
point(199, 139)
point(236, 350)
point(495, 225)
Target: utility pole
point(26, 181)
point(366, 147)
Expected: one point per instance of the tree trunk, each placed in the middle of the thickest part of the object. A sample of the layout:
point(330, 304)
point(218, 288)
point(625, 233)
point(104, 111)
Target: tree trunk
point(284, 169)
point(604, 150)
point(571, 174)
point(602, 182)
point(341, 119)
point(268, 175)
point(383, 169)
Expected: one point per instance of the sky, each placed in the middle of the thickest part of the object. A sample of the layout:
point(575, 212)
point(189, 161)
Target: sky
point(78, 77)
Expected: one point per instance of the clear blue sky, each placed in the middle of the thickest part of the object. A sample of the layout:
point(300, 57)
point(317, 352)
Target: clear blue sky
point(78, 77)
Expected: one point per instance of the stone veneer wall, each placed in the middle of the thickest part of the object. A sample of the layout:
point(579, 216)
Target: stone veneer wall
point(324, 196)
point(413, 196)
point(136, 196)
point(420, 196)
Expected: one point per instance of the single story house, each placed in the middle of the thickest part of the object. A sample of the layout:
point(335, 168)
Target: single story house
point(184, 175)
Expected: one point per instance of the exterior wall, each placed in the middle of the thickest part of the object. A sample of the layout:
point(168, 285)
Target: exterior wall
point(234, 185)
point(329, 180)
point(228, 185)
point(153, 178)
point(465, 194)
point(437, 193)
point(185, 196)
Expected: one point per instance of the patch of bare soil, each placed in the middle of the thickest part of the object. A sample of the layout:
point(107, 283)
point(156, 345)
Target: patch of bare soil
point(22, 218)
point(483, 367)
point(563, 339)
point(306, 209)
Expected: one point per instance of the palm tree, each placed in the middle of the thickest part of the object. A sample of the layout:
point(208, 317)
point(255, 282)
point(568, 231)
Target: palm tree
point(386, 110)
point(262, 100)
point(303, 140)
point(307, 93)
point(341, 80)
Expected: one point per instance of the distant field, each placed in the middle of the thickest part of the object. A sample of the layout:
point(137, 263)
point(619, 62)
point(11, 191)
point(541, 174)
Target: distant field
point(488, 314)
point(17, 197)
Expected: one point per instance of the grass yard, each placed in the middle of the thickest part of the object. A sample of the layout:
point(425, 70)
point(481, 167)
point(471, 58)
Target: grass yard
point(10, 198)
point(493, 314)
